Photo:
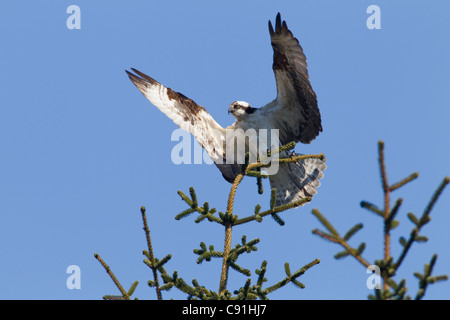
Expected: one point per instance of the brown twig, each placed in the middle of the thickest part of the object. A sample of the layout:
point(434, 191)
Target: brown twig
point(387, 191)
point(342, 243)
point(113, 277)
point(228, 235)
point(423, 220)
point(150, 253)
point(273, 210)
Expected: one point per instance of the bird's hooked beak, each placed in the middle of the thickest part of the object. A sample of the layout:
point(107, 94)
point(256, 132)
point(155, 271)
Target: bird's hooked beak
point(230, 110)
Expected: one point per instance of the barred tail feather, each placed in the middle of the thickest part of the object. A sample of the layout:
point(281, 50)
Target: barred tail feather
point(296, 181)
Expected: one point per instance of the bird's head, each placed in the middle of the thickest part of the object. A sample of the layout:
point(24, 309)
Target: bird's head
point(240, 109)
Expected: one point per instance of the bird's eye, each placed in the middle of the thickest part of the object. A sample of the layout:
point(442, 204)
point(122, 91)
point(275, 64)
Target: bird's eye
point(236, 106)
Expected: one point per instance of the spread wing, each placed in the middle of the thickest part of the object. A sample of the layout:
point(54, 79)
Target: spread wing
point(295, 111)
point(189, 116)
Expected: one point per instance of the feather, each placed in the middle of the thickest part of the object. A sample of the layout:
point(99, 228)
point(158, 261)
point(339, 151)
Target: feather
point(295, 109)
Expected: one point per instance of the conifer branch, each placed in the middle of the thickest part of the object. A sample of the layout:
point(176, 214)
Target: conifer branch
point(320, 156)
point(238, 268)
point(205, 254)
point(245, 247)
point(388, 268)
point(225, 262)
point(125, 294)
point(390, 217)
point(263, 164)
point(273, 211)
point(229, 255)
point(325, 223)
point(113, 297)
point(371, 207)
point(245, 293)
point(401, 183)
point(151, 257)
point(425, 279)
point(424, 219)
point(257, 174)
point(292, 277)
point(352, 231)
point(259, 182)
point(326, 236)
point(434, 199)
point(384, 181)
point(387, 191)
point(228, 234)
point(230, 220)
point(251, 292)
point(334, 236)
point(194, 292)
point(288, 146)
point(205, 212)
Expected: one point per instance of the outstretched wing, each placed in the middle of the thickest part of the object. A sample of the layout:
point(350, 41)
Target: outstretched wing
point(295, 111)
point(189, 116)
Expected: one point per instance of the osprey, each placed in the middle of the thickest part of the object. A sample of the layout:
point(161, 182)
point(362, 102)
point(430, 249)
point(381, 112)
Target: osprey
point(294, 113)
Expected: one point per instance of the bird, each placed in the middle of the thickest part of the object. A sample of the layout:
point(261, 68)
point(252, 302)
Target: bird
point(294, 113)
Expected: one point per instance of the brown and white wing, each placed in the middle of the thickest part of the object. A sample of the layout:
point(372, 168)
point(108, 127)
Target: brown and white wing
point(183, 111)
point(295, 111)
point(189, 116)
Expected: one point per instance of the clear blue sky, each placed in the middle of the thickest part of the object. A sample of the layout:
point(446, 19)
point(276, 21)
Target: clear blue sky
point(82, 149)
